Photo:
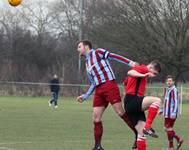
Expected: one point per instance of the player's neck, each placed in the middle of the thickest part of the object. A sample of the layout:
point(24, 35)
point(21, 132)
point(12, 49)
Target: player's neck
point(87, 52)
point(171, 86)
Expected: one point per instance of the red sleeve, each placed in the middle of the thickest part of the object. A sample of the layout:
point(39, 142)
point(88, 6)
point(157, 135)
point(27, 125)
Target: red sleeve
point(141, 69)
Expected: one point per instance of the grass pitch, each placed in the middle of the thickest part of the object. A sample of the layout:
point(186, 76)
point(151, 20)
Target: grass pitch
point(28, 123)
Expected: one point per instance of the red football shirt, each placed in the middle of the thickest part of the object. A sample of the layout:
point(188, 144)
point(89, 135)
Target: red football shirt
point(134, 85)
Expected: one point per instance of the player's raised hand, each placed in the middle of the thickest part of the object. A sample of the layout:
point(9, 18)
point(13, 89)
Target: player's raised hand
point(149, 74)
point(80, 99)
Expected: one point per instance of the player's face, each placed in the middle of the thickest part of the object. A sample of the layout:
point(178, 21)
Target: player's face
point(153, 70)
point(81, 49)
point(169, 82)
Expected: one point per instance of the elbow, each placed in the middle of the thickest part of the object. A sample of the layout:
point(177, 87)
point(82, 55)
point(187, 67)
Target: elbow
point(129, 73)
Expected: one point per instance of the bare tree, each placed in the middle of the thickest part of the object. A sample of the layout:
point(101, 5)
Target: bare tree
point(148, 29)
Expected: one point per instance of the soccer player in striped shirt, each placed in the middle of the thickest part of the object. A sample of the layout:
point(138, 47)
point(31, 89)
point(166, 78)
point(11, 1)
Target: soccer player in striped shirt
point(102, 80)
point(170, 111)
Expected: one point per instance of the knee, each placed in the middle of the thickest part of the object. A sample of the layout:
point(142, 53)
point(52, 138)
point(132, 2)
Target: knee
point(139, 129)
point(168, 129)
point(120, 113)
point(96, 117)
point(119, 110)
point(158, 101)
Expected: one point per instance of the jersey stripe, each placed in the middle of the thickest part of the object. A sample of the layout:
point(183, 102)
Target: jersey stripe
point(99, 72)
point(137, 85)
point(94, 69)
point(102, 68)
point(111, 71)
point(107, 70)
point(91, 71)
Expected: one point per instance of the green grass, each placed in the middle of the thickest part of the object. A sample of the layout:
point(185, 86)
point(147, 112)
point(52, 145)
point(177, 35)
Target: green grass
point(29, 124)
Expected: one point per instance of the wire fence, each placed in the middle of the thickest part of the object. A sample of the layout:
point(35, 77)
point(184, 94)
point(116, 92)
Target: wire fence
point(8, 88)
point(34, 89)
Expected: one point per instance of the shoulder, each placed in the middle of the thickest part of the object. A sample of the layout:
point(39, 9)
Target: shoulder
point(141, 68)
point(100, 51)
point(175, 89)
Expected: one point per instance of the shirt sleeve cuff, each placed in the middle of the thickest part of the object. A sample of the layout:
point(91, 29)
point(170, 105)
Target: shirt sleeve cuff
point(85, 96)
point(131, 63)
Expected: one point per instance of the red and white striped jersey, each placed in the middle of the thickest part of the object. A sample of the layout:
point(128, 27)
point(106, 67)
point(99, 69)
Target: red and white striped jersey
point(171, 102)
point(98, 67)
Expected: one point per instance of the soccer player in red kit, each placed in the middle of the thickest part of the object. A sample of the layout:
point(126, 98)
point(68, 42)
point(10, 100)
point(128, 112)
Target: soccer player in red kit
point(136, 103)
point(170, 111)
point(102, 81)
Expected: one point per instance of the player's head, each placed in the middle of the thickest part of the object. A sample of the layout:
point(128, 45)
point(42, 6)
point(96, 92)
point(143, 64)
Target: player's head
point(170, 81)
point(83, 47)
point(154, 67)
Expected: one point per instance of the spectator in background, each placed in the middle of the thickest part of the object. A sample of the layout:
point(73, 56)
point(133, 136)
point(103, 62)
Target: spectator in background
point(54, 87)
point(170, 112)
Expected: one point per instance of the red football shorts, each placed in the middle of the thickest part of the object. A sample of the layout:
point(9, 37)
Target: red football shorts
point(106, 93)
point(169, 123)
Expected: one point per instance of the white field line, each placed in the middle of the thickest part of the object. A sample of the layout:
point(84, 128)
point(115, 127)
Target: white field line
point(65, 141)
point(6, 148)
point(14, 143)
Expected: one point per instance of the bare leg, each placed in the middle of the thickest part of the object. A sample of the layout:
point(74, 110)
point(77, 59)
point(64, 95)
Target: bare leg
point(120, 111)
point(141, 140)
point(152, 104)
point(148, 100)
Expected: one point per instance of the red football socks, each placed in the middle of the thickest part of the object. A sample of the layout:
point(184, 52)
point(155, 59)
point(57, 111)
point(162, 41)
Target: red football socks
point(176, 136)
point(170, 135)
point(141, 143)
point(152, 112)
point(98, 131)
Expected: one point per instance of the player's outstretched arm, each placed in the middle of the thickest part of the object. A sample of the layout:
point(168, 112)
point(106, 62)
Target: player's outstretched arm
point(104, 54)
point(85, 96)
point(122, 59)
point(89, 91)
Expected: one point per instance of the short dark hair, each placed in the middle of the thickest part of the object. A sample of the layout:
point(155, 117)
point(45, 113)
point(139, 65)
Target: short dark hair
point(86, 42)
point(171, 77)
point(156, 65)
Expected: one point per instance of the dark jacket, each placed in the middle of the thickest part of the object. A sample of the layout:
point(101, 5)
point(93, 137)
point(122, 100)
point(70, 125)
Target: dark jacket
point(54, 85)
